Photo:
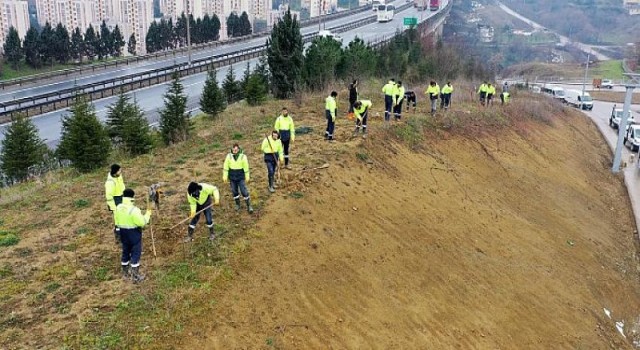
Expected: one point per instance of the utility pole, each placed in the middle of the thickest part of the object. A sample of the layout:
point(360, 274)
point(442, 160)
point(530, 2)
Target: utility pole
point(622, 127)
point(584, 81)
point(186, 8)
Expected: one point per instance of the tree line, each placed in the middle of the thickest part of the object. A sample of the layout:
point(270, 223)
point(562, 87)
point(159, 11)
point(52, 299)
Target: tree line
point(285, 70)
point(51, 45)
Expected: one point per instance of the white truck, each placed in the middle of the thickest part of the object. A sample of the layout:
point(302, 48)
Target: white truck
point(616, 117)
point(632, 136)
point(606, 84)
point(577, 99)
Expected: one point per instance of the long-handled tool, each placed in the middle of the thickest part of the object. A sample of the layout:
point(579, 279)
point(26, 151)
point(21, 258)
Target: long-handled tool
point(277, 160)
point(154, 196)
point(189, 218)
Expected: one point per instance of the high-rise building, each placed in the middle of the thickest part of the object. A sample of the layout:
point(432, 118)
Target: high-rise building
point(13, 13)
point(140, 16)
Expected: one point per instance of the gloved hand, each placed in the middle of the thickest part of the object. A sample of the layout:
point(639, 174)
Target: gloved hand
point(192, 215)
point(216, 203)
point(225, 181)
point(149, 212)
point(247, 179)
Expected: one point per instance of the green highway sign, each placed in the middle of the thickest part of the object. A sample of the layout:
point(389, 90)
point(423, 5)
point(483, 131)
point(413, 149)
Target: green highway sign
point(410, 21)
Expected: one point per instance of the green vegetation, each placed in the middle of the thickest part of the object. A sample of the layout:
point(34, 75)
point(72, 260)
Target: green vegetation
point(608, 70)
point(22, 149)
point(8, 238)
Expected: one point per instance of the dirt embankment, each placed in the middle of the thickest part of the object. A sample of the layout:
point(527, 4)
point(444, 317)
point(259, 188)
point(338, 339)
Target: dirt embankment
point(517, 239)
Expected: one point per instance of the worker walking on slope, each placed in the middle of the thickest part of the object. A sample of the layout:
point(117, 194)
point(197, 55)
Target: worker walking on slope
point(482, 92)
point(199, 198)
point(491, 91)
point(504, 97)
point(361, 112)
point(397, 102)
point(410, 96)
point(130, 220)
point(331, 110)
point(447, 90)
point(273, 156)
point(236, 169)
point(284, 125)
point(433, 91)
point(113, 189)
point(353, 94)
point(389, 90)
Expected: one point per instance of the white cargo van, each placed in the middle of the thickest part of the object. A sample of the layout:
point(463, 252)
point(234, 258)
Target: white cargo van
point(616, 118)
point(577, 99)
point(555, 91)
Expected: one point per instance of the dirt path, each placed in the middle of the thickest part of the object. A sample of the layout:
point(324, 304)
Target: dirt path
point(517, 240)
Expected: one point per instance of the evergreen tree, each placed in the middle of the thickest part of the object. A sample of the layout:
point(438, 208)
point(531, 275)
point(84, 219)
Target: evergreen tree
point(117, 42)
point(245, 78)
point(284, 55)
point(152, 38)
point(127, 126)
point(131, 45)
point(233, 25)
point(62, 45)
point(46, 44)
point(321, 61)
point(90, 40)
point(180, 31)
point(230, 86)
point(244, 24)
point(84, 141)
point(105, 47)
point(77, 45)
point(256, 90)
point(175, 124)
point(358, 60)
point(22, 148)
point(13, 52)
point(32, 48)
point(212, 100)
point(215, 28)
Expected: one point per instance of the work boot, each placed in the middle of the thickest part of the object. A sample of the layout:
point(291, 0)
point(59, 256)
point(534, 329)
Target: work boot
point(212, 235)
point(249, 207)
point(126, 274)
point(271, 189)
point(189, 237)
point(237, 203)
point(136, 276)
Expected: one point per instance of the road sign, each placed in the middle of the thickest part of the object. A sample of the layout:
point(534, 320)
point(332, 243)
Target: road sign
point(410, 21)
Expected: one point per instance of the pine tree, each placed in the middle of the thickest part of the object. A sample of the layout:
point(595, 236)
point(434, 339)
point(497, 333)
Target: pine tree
point(215, 26)
point(115, 118)
point(13, 52)
point(321, 61)
point(106, 44)
point(127, 127)
point(46, 44)
point(233, 25)
point(230, 86)
point(90, 40)
point(22, 148)
point(245, 24)
point(77, 45)
point(62, 45)
point(245, 78)
point(84, 141)
point(32, 48)
point(212, 100)
point(256, 90)
point(284, 55)
point(151, 38)
point(358, 60)
point(117, 41)
point(131, 45)
point(175, 124)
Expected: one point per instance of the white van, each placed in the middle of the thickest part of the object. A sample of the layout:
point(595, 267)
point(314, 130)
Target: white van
point(555, 91)
point(577, 99)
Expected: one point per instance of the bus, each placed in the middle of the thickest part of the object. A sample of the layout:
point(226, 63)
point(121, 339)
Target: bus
point(434, 5)
point(385, 13)
point(376, 3)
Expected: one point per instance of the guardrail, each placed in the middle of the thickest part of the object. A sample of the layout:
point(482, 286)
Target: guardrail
point(62, 98)
point(156, 55)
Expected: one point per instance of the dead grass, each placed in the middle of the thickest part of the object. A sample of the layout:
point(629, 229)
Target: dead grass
point(70, 293)
point(613, 96)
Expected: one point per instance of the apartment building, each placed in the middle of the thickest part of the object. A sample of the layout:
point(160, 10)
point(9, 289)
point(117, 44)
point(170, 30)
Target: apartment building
point(13, 13)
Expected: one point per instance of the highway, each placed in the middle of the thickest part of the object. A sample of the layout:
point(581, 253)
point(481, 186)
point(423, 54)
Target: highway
point(142, 66)
point(49, 124)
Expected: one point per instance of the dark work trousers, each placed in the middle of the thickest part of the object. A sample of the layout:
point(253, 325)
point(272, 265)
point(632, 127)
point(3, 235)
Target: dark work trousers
point(489, 98)
point(411, 99)
point(388, 105)
point(285, 137)
point(397, 110)
point(446, 100)
point(208, 214)
point(131, 246)
point(272, 163)
point(117, 200)
point(351, 106)
point(238, 187)
point(331, 125)
point(483, 95)
point(362, 124)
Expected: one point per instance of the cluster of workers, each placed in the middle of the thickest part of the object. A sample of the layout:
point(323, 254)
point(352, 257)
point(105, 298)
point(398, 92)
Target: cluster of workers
point(487, 91)
point(129, 219)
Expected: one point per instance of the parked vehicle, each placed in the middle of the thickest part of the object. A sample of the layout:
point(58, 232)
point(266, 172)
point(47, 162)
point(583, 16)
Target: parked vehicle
point(606, 84)
point(421, 5)
point(434, 5)
point(386, 13)
point(577, 99)
point(376, 3)
point(616, 117)
point(555, 91)
point(632, 136)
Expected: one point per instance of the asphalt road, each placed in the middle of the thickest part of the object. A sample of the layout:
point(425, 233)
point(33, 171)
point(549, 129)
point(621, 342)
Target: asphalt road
point(49, 124)
point(143, 66)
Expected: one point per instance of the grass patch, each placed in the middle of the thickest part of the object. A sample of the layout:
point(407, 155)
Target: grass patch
point(296, 195)
point(81, 203)
point(8, 239)
point(6, 271)
point(362, 156)
point(82, 230)
point(101, 274)
point(52, 287)
point(237, 136)
point(608, 70)
point(8, 72)
point(178, 275)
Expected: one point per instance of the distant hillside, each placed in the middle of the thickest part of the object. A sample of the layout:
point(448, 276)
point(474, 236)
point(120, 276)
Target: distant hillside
point(589, 21)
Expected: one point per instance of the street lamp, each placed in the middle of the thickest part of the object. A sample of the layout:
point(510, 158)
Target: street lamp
point(186, 9)
point(622, 127)
point(584, 81)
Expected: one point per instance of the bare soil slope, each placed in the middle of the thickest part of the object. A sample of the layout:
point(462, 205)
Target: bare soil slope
point(515, 240)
